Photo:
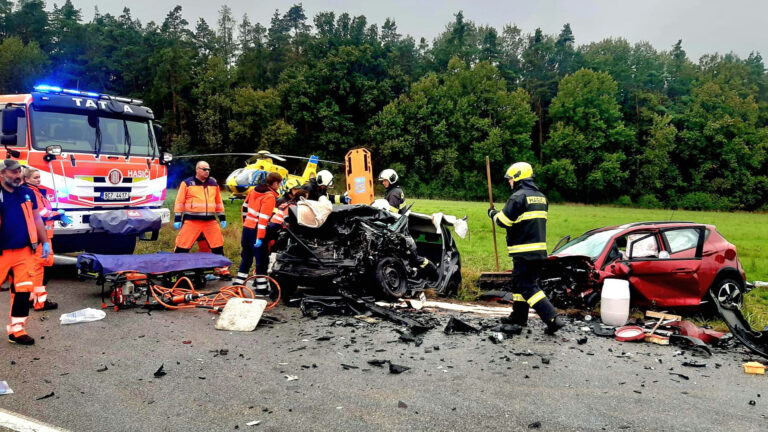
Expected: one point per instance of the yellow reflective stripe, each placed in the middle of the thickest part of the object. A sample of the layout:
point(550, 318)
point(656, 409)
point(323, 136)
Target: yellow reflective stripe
point(527, 247)
point(518, 298)
point(394, 210)
point(539, 214)
point(402, 206)
point(536, 298)
point(501, 217)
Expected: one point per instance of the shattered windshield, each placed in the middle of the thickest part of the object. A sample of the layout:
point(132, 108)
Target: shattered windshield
point(591, 244)
point(80, 133)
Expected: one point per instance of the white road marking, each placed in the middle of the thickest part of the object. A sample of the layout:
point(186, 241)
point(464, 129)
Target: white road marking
point(20, 423)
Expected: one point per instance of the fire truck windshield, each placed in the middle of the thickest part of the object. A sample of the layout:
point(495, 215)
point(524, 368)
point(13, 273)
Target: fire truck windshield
point(77, 133)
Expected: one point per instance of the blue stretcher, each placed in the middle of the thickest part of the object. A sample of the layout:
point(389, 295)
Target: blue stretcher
point(163, 268)
point(161, 262)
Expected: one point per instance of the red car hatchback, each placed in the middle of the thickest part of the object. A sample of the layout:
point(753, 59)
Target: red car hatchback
point(668, 264)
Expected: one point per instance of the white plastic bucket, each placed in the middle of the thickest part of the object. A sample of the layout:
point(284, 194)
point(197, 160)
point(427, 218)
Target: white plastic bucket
point(614, 302)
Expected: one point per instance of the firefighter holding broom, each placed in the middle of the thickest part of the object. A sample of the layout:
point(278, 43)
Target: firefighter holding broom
point(525, 218)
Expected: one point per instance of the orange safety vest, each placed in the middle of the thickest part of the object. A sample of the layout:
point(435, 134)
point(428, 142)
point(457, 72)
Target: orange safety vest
point(45, 210)
point(281, 212)
point(29, 218)
point(199, 200)
point(257, 209)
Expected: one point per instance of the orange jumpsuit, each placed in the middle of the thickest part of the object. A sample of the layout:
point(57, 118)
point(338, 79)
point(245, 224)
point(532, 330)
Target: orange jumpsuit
point(39, 292)
point(198, 204)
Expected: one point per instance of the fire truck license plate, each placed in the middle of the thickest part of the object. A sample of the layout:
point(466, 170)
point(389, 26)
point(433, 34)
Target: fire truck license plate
point(115, 196)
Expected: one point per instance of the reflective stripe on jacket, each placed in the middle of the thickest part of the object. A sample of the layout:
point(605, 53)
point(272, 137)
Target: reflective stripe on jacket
point(199, 200)
point(45, 210)
point(525, 218)
point(281, 212)
point(257, 209)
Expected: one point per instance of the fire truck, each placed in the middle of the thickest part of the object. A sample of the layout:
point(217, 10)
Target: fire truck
point(99, 160)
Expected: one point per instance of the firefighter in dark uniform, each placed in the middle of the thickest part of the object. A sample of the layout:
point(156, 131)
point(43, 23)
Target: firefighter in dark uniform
point(525, 218)
point(318, 186)
point(393, 193)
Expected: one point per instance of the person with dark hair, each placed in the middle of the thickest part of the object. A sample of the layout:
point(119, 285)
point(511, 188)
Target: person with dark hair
point(257, 210)
point(22, 232)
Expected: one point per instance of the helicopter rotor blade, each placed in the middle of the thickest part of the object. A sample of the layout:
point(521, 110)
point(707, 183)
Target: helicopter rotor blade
point(213, 154)
point(306, 158)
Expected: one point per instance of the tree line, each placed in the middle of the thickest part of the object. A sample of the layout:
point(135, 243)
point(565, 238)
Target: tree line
point(603, 122)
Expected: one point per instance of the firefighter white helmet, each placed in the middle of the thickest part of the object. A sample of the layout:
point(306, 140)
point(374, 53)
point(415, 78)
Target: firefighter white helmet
point(325, 178)
point(389, 175)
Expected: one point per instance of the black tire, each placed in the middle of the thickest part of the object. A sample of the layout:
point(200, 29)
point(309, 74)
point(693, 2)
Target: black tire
point(727, 290)
point(452, 288)
point(391, 278)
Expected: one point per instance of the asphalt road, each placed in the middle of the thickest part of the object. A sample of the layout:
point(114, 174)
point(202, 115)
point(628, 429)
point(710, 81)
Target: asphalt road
point(102, 377)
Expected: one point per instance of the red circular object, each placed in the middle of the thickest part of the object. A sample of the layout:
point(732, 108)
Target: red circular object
point(630, 334)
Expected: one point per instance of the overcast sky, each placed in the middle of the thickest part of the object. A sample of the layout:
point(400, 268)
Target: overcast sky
point(705, 26)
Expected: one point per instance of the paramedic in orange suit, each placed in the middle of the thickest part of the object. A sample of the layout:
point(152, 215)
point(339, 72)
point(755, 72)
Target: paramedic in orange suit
point(198, 205)
point(21, 233)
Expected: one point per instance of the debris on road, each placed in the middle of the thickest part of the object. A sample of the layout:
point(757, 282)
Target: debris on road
point(82, 315)
point(253, 423)
point(754, 368)
point(5, 388)
point(49, 395)
point(159, 373)
point(291, 377)
point(401, 404)
point(104, 369)
point(456, 325)
point(396, 369)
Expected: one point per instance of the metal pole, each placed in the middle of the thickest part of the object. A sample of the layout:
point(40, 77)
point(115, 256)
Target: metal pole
point(490, 199)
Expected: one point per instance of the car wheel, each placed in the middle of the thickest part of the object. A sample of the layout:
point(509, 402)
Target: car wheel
point(391, 277)
point(728, 291)
point(452, 288)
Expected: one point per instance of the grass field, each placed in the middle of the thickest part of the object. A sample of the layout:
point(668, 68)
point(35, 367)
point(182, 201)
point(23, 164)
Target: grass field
point(748, 231)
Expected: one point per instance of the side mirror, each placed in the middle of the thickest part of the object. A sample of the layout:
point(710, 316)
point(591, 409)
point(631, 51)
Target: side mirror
point(621, 269)
point(167, 158)
point(10, 116)
point(51, 152)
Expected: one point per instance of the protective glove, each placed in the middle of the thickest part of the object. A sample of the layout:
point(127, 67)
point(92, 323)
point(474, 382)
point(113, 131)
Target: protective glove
point(46, 250)
point(492, 212)
point(347, 198)
point(64, 219)
point(223, 224)
point(257, 244)
point(177, 225)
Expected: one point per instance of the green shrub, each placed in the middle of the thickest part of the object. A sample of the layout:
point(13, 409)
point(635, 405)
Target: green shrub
point(623, 201)
point(649, 201)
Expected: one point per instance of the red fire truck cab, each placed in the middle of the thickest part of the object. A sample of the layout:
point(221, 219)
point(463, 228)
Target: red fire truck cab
point(96, 154)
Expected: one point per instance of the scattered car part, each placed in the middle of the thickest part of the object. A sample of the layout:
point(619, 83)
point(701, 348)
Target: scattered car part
point(629, 334)
point(688, 328)
point(456, 325)
point(599, 330)
point(694, 344)
point(757, 341)
point(755, 368)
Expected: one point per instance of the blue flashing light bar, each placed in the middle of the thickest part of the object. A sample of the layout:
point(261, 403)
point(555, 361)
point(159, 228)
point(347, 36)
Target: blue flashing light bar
point(47, 88)
point(55, 89)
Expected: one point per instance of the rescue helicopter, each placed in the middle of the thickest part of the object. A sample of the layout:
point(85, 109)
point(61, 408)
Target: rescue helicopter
point(240, 181)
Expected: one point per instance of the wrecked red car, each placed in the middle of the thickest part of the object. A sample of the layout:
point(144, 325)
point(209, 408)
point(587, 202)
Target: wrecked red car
point(668, 264)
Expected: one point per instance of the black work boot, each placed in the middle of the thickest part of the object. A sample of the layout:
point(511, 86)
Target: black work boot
point(548, 314)
point(556, 324)
point(47, 305)
point(22, 339)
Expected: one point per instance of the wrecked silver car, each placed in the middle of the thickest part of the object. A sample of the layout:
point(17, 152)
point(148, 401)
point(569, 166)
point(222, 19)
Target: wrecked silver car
point(368, 251)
